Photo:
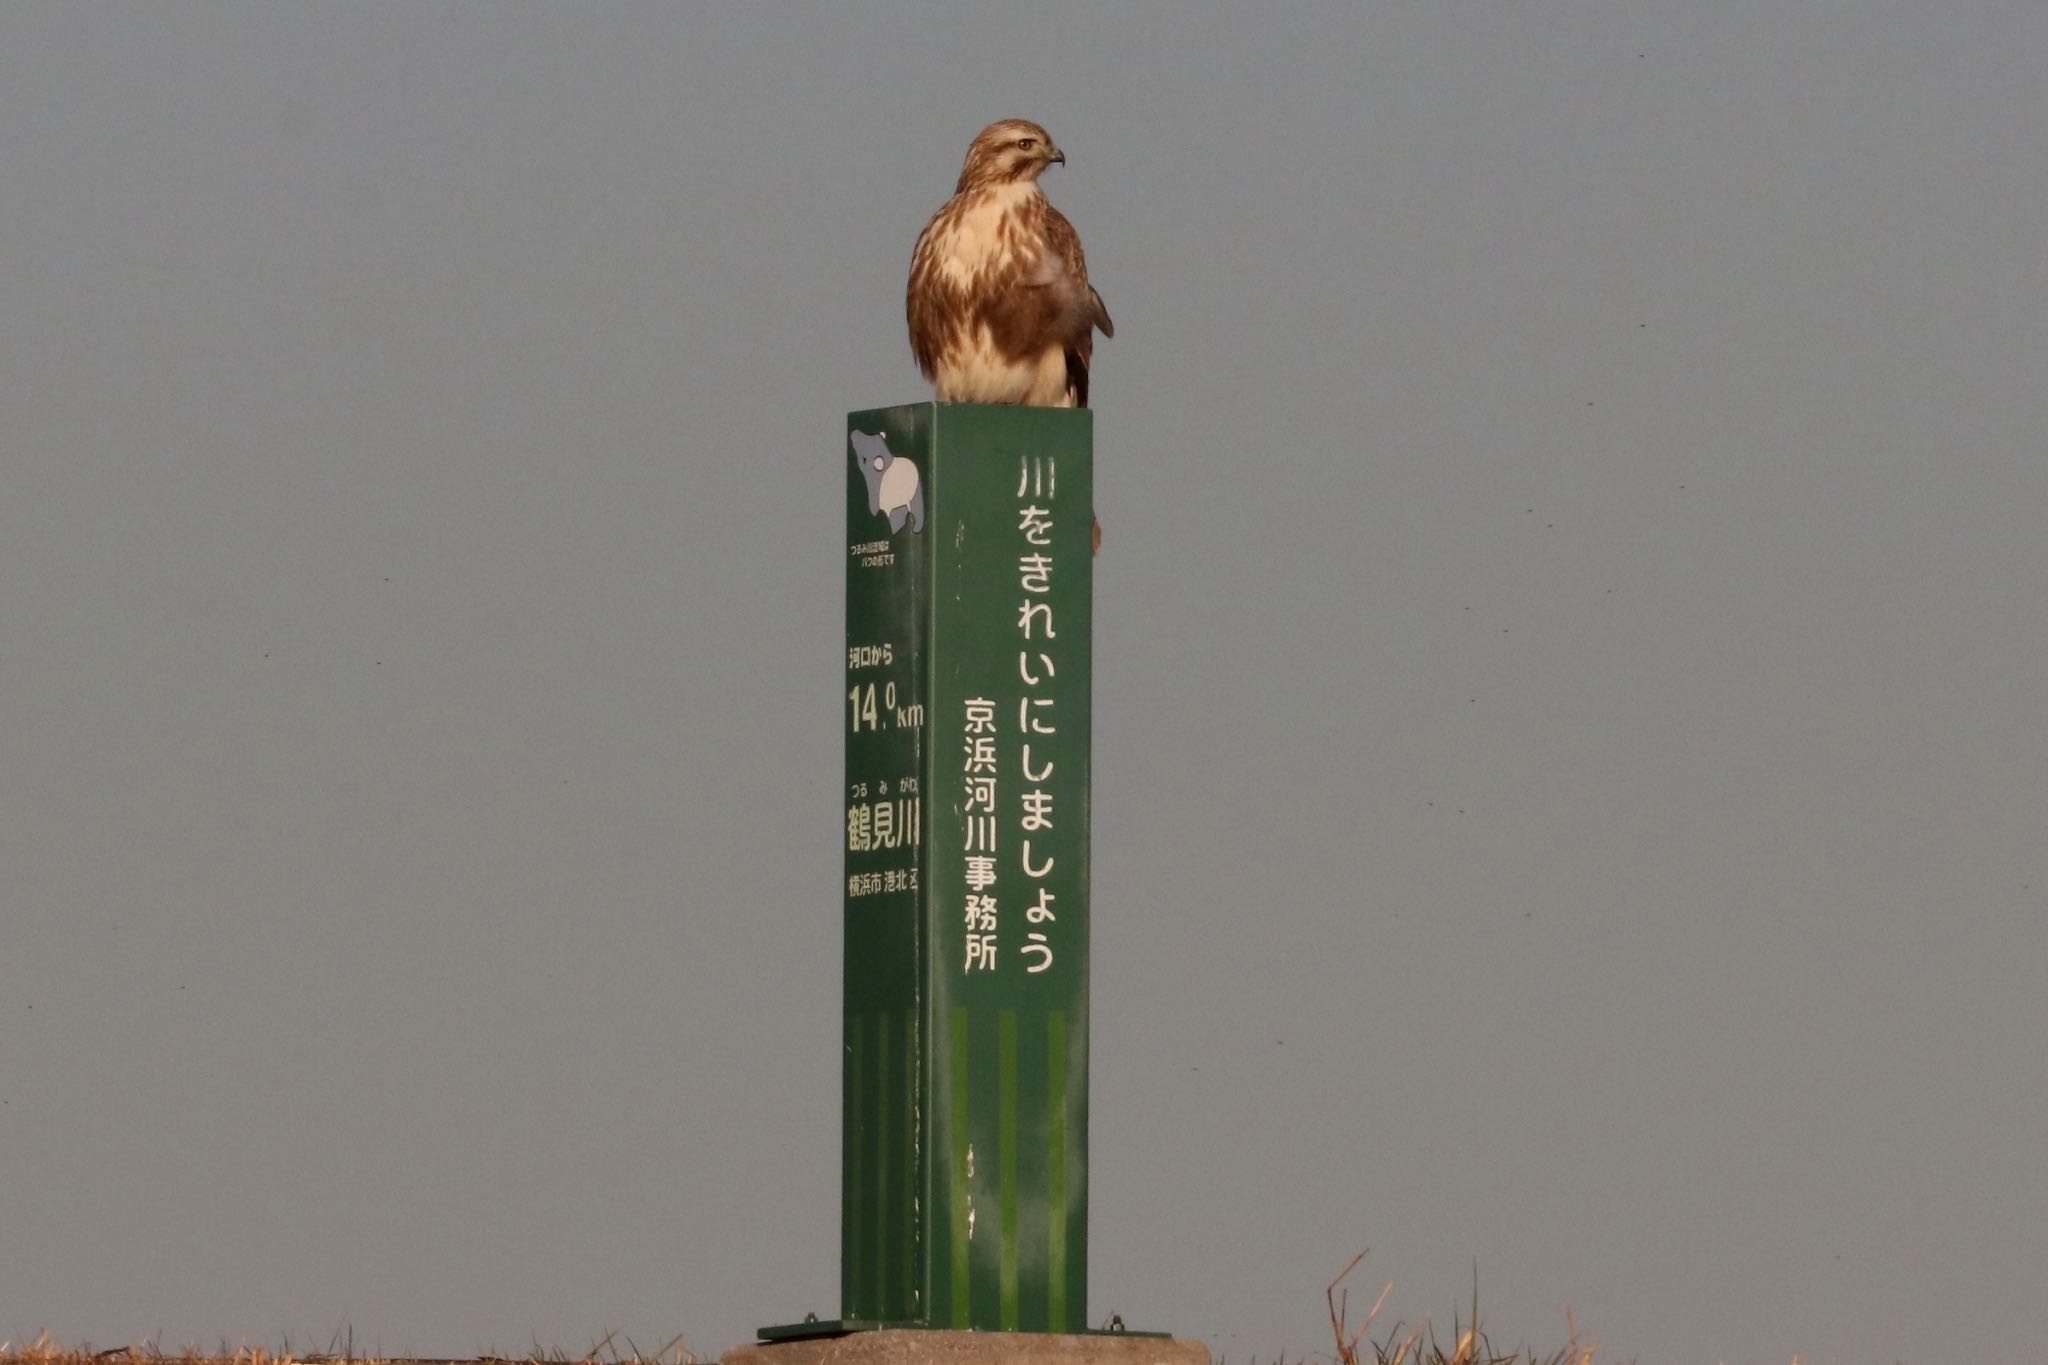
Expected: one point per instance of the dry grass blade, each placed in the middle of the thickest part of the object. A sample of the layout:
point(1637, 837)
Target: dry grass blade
point(1571, 1331)
point(1339, 1301)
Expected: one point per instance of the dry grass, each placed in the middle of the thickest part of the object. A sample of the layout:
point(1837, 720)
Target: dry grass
point(1421, 1346)
point(610, 1350)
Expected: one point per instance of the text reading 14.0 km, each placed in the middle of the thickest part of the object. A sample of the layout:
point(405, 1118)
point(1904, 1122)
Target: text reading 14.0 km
point(865, 714)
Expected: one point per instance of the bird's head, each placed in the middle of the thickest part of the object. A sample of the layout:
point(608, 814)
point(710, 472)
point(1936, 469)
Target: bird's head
point(1014, 149)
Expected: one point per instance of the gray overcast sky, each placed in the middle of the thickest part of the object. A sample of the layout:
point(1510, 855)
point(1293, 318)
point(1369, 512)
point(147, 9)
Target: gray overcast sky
point(1572, 660)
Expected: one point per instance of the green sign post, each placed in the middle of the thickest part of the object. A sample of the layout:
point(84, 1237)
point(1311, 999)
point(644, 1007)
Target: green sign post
point(964, 1191)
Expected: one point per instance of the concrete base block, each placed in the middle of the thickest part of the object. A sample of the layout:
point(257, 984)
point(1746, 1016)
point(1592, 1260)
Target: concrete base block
point(896, 1346)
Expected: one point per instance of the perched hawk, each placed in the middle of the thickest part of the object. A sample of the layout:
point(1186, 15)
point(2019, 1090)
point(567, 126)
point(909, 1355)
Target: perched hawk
point(1000, 306)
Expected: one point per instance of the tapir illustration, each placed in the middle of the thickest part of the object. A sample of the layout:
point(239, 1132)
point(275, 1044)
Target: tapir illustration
point(894, 489)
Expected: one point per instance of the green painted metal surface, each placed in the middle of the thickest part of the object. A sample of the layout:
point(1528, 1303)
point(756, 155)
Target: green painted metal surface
point(966, 714)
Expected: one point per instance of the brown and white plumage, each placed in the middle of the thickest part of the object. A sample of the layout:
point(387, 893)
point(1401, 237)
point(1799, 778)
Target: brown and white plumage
point(999, 302)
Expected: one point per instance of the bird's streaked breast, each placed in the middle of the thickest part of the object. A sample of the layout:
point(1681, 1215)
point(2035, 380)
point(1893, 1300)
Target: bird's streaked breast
point(980, 235)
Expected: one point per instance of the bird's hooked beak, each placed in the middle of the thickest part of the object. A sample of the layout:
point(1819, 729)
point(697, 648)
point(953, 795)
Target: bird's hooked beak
point(1054, 156)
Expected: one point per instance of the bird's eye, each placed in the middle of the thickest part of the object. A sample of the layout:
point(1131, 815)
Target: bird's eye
point(1027, 143)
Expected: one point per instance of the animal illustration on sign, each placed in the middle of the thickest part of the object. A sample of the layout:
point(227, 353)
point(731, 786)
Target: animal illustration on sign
point(894, 490)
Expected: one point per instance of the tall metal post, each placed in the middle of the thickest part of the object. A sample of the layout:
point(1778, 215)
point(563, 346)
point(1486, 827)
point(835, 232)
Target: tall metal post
point(964, 1198)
